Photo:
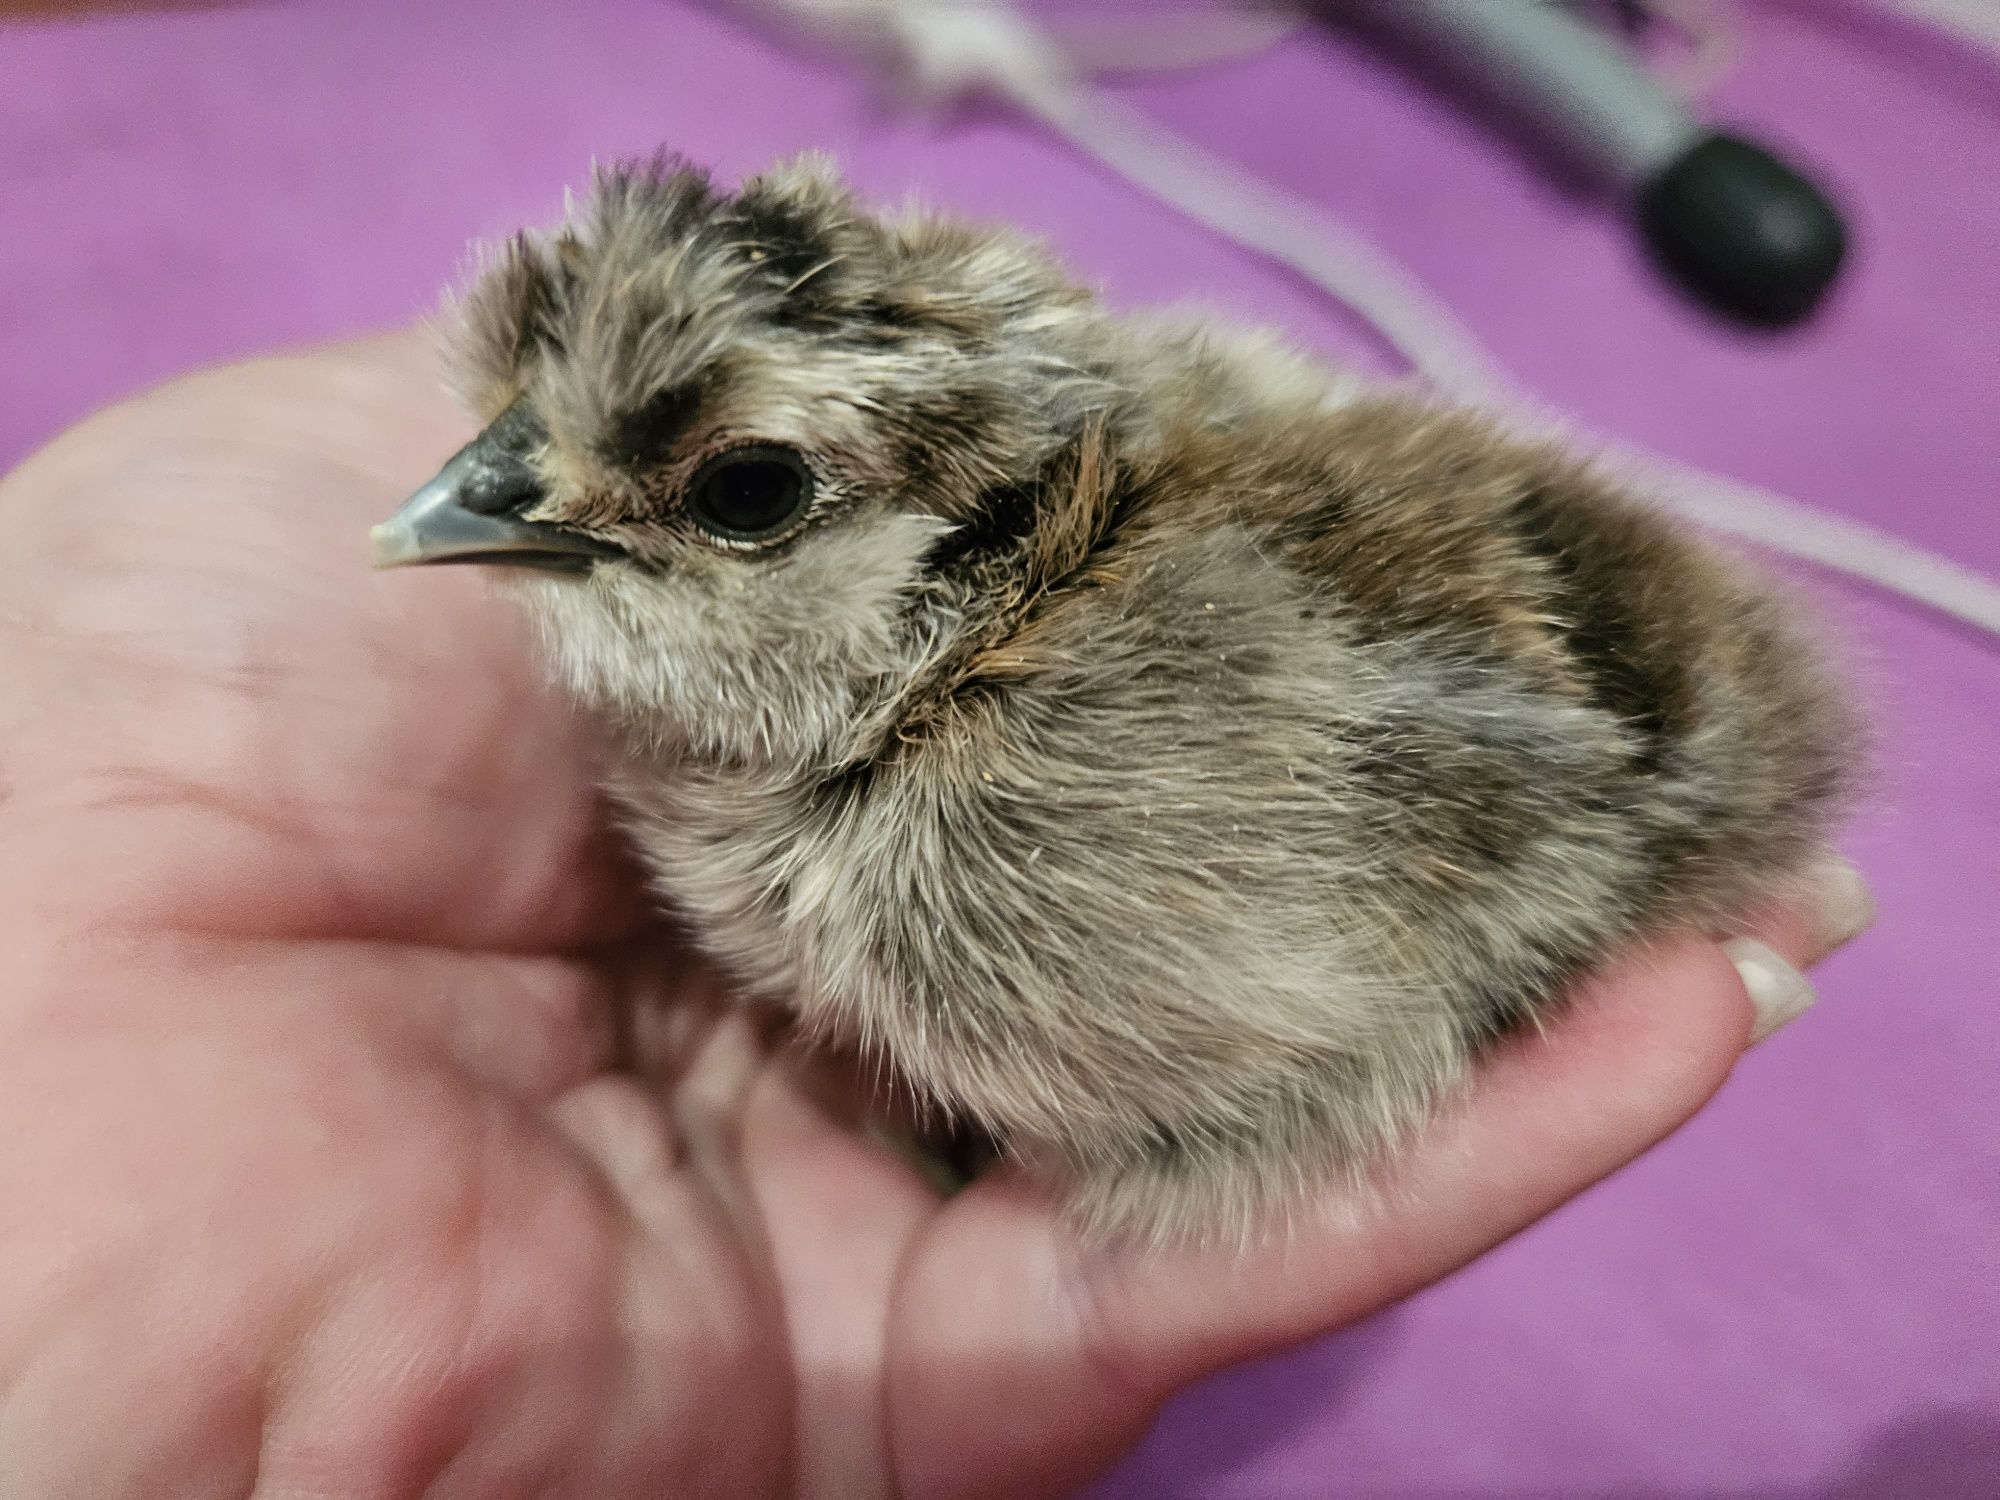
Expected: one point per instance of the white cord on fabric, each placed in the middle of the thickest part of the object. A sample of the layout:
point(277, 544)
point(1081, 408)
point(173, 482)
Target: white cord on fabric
point(1975, 21)
point(945, 48)
point(1451, 358)
point(1280, 227)
point(1181, 38)
point(1710, 29)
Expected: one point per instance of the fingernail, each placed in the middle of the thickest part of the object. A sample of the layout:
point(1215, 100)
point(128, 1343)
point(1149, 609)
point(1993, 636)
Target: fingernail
point(1779, 993)
point(1838, 898)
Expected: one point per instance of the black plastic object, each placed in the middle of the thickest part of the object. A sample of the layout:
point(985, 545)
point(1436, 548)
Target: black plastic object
point(1742, 231)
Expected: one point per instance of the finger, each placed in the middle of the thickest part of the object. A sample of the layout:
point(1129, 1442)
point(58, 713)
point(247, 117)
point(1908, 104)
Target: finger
point(1081, 1346)
point(1643, 1048)
point(837, 1216)
point(1826, 907)
point(767, 1136)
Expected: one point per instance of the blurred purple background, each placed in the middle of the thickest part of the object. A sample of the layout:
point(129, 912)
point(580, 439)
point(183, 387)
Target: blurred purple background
point(1799, 1295)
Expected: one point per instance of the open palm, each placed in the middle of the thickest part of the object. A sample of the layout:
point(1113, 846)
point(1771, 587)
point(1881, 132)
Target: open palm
point(362, 1134)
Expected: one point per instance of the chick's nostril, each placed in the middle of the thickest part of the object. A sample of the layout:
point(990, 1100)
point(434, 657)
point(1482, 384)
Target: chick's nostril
point(500, 486)
point(495, 477)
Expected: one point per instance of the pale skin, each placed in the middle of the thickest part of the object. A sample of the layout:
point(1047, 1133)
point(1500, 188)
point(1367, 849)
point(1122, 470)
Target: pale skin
point(362, 1135)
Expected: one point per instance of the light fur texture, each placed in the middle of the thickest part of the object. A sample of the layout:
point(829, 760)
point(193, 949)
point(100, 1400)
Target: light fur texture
point(1161, 752)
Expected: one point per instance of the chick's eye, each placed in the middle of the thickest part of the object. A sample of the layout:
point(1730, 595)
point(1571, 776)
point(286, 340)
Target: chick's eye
point(749, 493)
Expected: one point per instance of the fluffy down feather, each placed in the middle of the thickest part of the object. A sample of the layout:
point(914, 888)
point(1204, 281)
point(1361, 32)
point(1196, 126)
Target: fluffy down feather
point(1175, 758)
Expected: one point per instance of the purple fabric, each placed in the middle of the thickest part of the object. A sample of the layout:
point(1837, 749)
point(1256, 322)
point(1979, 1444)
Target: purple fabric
point(1796, 1296)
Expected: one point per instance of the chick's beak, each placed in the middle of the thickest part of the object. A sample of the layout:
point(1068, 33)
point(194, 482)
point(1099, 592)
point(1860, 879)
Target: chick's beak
point(472, 513)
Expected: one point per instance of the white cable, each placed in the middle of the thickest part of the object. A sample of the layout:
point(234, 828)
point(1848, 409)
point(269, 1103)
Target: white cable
point(1771, 520)
point(1450, 357)
point(1282, 228)
point(1713, 33)
point(1974, 21)
point(1180, 38)
point(948, 47)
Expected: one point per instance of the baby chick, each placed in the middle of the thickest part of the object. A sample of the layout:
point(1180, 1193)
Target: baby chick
point(1174, 759)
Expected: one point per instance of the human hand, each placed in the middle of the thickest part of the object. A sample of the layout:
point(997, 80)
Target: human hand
point(361, 1135)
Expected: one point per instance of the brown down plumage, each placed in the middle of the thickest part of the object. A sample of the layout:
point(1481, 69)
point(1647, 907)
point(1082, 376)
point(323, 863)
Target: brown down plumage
point(1169, 756)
